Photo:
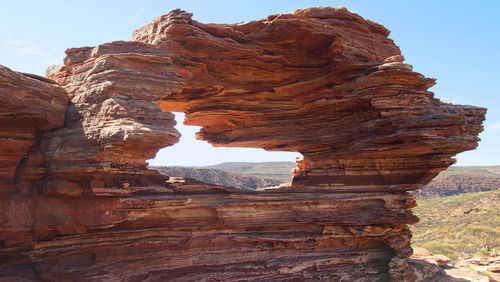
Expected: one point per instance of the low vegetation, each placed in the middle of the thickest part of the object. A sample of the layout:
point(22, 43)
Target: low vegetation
point(220, 177)
point(460, 225)
point(274, 170)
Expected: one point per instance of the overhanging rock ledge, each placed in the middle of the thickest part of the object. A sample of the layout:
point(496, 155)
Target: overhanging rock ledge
point(79, 203)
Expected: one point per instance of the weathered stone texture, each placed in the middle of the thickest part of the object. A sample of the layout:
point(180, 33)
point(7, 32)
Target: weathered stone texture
point(114, 123)
point(321, 81)
point(29, 106)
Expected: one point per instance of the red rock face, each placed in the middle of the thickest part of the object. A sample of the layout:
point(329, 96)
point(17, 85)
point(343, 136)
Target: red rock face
point(320, 81)
point(30, 106)
point(114, 123)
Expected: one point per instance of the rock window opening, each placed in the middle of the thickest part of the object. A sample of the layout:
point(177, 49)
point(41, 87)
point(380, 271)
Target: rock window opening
point(246, 168)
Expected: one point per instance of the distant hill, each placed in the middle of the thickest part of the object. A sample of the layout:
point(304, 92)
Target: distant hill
point(462, 179)
point(458, 184)
point(275, 170)
point(456, 180)
point(220, 177)
point(471, 170)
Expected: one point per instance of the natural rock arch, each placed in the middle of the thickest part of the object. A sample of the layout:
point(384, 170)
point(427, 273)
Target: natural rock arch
point(320, 81)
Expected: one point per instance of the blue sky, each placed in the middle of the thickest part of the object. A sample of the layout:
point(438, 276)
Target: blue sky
point(457, 42)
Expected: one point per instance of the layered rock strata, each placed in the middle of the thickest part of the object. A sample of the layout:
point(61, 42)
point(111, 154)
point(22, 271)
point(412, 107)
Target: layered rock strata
point(30, 106)
point(320, 81)
point(113, 123)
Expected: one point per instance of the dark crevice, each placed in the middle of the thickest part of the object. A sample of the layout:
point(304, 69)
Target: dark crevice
point(18, 173)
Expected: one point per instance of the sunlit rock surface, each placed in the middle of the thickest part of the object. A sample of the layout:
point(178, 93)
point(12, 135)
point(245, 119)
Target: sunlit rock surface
point(321, 81)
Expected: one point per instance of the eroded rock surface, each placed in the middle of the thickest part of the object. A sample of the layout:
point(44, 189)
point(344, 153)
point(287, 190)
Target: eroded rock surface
point(29, 107)
point(320, 81)
point(323, 82)
point(114, 123)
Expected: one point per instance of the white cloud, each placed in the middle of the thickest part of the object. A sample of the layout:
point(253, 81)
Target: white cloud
point(51, 48)
point(494, 127)
point(15, 42)
point(452, 99)
point(28, 47)
point(31, 50)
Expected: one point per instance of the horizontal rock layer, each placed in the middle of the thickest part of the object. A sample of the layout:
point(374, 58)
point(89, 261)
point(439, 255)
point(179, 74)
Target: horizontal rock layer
point(29, 106)
point(114, 123)
point(211, 234)
point(321, 81)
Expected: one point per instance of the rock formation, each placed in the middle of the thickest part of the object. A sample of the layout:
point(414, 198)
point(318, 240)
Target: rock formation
point(320, 81)
point(30, 106)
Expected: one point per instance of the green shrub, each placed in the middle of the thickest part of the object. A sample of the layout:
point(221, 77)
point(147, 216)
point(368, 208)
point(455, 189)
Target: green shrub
point(464, 224)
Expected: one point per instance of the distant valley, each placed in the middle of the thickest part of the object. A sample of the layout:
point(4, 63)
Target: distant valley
point(246, 175)
point(243, 175)
point(220, 177)
point(460, 225)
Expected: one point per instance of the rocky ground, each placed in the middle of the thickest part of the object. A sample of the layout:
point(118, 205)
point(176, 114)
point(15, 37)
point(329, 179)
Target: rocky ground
point(482, 268)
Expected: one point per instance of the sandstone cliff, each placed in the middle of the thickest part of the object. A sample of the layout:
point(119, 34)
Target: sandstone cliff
point(30, 106)
point(320, 81)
